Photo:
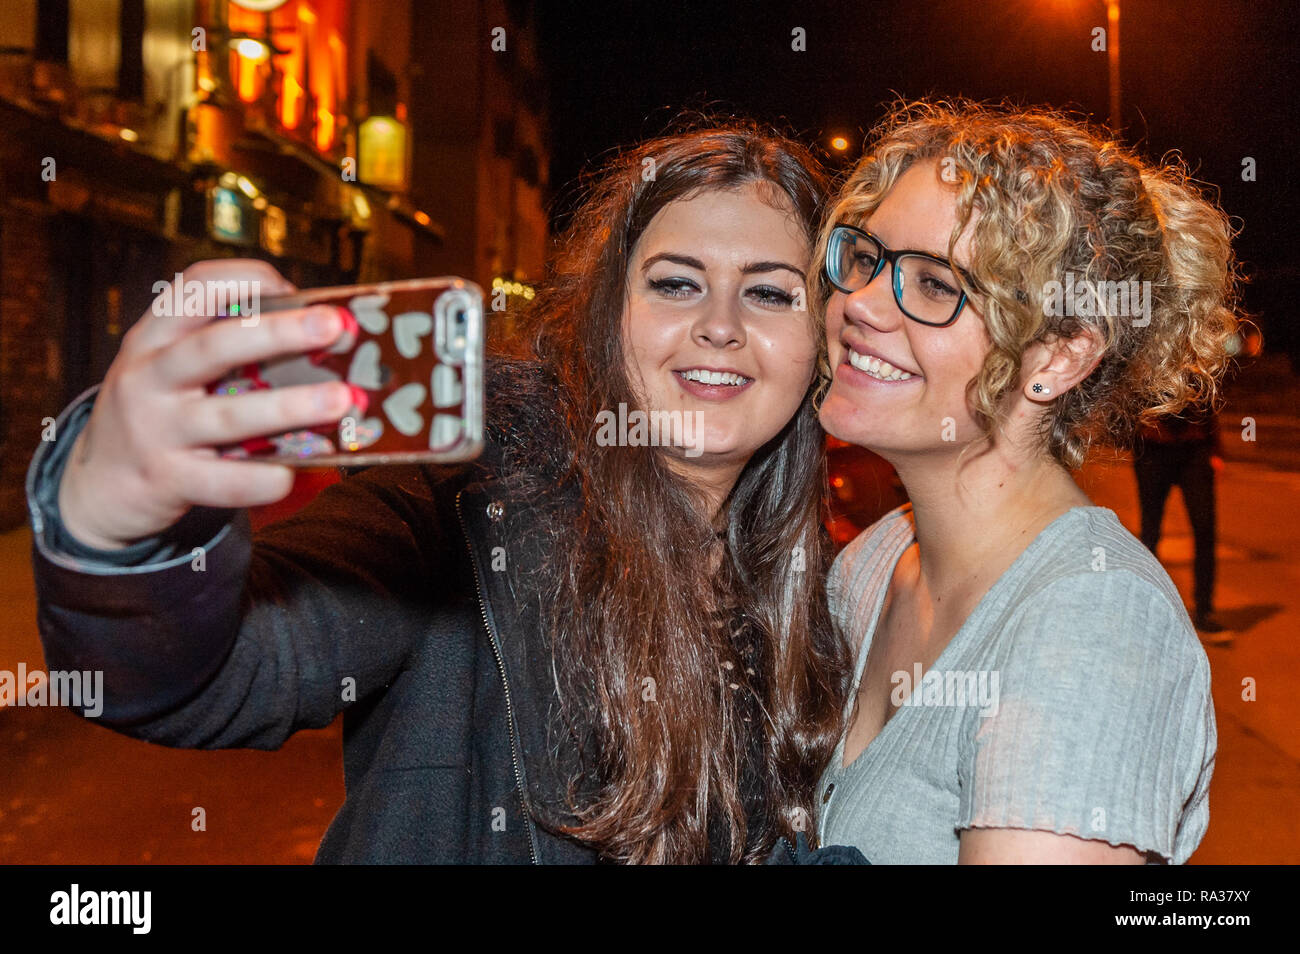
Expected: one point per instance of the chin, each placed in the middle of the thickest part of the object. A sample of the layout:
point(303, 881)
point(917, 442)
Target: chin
point(849, 423)
point(842, 419)
point(713, 451)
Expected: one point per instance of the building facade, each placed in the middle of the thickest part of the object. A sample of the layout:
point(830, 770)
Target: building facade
point(341, 140)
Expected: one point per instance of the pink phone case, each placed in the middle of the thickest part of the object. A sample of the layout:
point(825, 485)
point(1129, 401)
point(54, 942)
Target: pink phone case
point(416, 356)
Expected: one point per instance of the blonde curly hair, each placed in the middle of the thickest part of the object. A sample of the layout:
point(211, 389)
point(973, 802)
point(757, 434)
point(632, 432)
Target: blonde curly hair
point(1058, 199)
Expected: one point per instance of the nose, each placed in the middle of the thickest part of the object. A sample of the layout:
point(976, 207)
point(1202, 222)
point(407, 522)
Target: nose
point(719, 323)
point(874, 304)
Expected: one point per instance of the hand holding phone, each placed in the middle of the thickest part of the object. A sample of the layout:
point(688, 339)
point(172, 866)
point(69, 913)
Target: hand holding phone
point(152, 448)
point(411, 354)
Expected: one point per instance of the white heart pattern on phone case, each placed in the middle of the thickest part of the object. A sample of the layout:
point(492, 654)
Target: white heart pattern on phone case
point(364, 372)
point(369, 312)
point(402, 408)
point(408, 328)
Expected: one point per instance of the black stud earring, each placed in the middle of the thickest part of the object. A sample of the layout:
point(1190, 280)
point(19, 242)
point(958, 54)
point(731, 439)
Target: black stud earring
point(1039, 389)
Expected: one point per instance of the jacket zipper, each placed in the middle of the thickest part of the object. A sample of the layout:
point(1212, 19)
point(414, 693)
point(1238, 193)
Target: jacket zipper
point(501, 668)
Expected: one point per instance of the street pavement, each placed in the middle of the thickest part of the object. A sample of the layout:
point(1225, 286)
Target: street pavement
point(74, 792)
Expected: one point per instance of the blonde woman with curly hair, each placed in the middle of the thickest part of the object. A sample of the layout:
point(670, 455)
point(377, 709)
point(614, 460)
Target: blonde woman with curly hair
point(1001, 288)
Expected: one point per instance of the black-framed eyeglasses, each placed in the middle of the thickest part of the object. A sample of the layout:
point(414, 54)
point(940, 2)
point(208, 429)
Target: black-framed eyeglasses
point(926, 287)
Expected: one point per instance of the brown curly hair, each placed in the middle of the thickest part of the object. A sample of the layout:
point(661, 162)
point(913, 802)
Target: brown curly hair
point(1057, 200)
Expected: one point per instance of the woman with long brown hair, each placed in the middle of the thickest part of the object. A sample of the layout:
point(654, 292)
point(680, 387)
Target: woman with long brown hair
point(574, 648)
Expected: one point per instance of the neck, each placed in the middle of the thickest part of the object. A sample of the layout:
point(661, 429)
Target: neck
point(712, 480)
point(978, 516)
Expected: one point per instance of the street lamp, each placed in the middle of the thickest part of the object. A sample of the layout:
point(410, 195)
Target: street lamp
point(251, 48)
point(1112, 54)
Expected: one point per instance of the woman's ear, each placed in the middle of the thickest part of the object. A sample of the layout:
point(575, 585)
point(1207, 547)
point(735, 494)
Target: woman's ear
point(1051, 368)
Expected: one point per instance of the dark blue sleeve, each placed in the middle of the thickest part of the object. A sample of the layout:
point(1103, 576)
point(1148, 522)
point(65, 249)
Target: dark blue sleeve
point(195, 529)
point(256, 639)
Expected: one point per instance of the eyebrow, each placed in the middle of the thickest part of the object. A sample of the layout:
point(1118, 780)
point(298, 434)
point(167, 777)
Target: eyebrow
point(752, 268)
point(757, 267)
point(932, 254)
point(674, 258)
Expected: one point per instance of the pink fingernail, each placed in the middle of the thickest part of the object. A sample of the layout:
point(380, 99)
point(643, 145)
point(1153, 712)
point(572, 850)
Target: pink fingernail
point(348, 339)
point(360, 399)
point(349, 321)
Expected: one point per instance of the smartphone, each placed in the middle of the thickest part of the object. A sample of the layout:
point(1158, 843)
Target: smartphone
point(413, 351)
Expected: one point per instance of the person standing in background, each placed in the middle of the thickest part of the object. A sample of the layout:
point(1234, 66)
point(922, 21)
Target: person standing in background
point(1185, 450)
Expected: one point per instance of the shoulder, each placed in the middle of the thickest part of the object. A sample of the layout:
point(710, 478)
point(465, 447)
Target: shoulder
point(855, 573)
point(866, 546)
point(1102, 723)
point(1094, 629)
point(1092, 585)
point(1106, 634)
point(1093, 539)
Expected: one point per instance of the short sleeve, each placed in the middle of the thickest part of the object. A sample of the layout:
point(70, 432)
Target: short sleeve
point(1104, 723)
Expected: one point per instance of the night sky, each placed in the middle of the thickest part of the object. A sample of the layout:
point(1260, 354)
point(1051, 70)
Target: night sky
point(1215, 79)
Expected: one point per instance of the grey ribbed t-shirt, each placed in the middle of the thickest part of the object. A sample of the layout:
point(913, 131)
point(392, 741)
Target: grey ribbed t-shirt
point(1074, 699)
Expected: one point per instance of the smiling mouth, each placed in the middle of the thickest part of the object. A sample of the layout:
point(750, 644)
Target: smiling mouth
point(714, 378)
point(877, 368)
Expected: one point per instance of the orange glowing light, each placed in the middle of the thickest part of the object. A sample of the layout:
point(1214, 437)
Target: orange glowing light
point(290, 102)
point(324, 129)
point(251, 49)
point(246, 79)
point(302, 45)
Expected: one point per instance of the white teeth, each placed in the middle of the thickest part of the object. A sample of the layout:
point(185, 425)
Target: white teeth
point(877, 367)
point(714, 377)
